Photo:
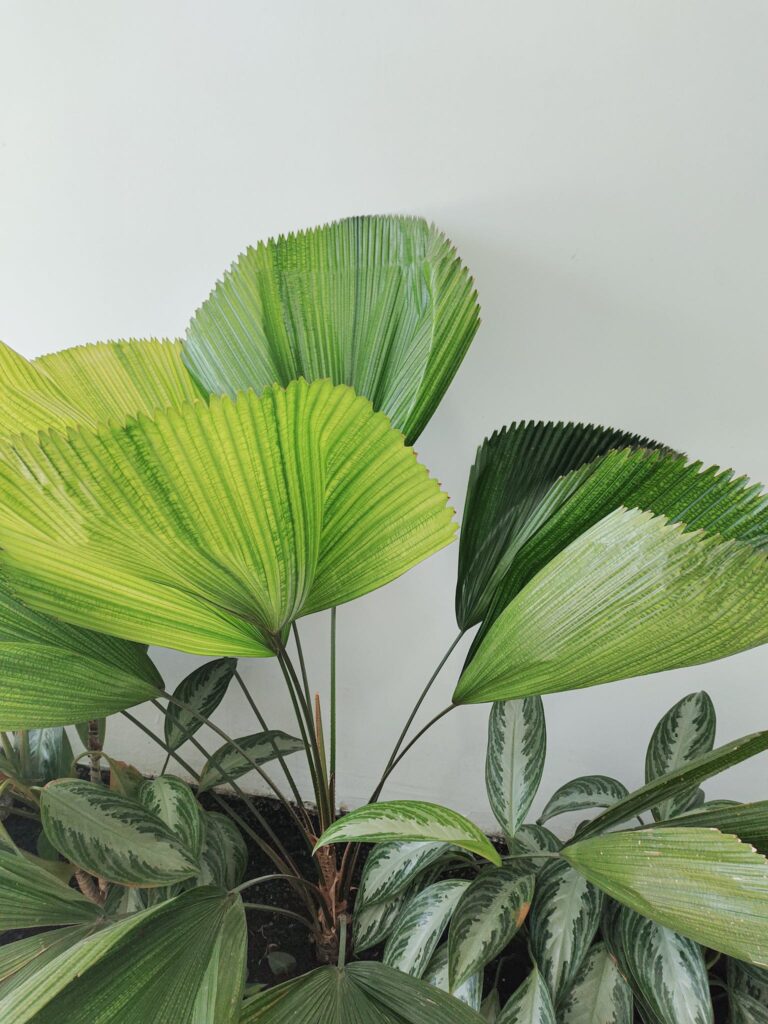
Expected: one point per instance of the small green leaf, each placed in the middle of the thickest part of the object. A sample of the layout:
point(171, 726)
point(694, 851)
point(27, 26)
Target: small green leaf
point(260, 748)
point(563, 923)
point(31, 897)
point(411, 820)
point(708, 886)
point(599, 995)
point(677, 782)
point(469, 992)
point(112, 836)
point(488, 915)
point(683, 734)
point(420, 926)
point(391, 867)
point(531, 1003)
point(517, 747)
point(224, 855)
point(582, 794)
point(174, 803)
point(666, 971)
point(202, 690)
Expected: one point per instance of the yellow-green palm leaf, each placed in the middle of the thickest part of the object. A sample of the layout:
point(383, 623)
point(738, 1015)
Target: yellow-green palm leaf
point(210, 527)
point(380, 303)
point(109, 381)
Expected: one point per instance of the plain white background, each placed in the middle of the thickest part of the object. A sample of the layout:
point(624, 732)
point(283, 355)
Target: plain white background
point(601, 166)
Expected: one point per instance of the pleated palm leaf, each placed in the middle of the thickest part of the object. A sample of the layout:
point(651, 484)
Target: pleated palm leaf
point(589, 555)
point(89, 384)
point(212, 526)
point(380, 303)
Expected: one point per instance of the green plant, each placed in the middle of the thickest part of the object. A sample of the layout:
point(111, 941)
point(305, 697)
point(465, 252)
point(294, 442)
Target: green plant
point(205, 495)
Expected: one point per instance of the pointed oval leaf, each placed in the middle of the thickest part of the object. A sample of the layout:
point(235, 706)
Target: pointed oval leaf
point(747, 993)
point(600, 994)
point(412, 821)
point(211, 527)
point(469, 992)
point(420, 925)
point(708, 886)
point(684, 733)
point(631, 596)
point(90, 384)
point(53, 673)
point(514, 762)
point(677, 782)
point(563, 922)
point(230, 763)
point(366, 992)
point(373, 923)
point(174, 803)
point(31, 897)
point(584, 793)
point(514, 487)
point(531, 1004)
point(202, 690)
point(534, 840)
point(667, 971)
point(112, 836)
point(380, 303)
point(488, 915)
point(224, 855)
point(391, 867)
point(122, 972)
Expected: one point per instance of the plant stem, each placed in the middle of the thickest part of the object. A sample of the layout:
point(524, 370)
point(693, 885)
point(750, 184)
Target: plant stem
point(302, 663)
point(282, 912)
point(396, 761)
point(281, 760)
point(332, 763)
point(274, 878)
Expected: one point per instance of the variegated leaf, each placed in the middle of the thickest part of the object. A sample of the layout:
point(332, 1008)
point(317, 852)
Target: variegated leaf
point(112, 836)
point(584, 793)
point(563, 923)
point(487, 917)
point(173, 802)
point(391, 867)
point(31, 897)
point(747, 993)
point(224, 855)
point(600, 994)
point(684, 733)
point(533, 839)
point(409, 820)
point(202, 691)
point(469, 992)
point(517, 747)
point(531, 1004)
point(667, 971)
point(229, 763)
point(374, 923)
point(420, 925)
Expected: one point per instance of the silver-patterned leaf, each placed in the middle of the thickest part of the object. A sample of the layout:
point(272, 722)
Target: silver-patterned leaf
point(747, 993)
point(584, 793)
point(229, 763)
point(224, 855)
point(533, 839)
point(374, 923)
point(600, 994)
point(666, 971)
point(436, 974)
point(684, 733)
point(173, 802)
point(486, 918)
point(391, 867)
point(514, 762)
point(531, 1004)
point(420, 926)
point(563, 923)
point(202, 691)
point(112, 836)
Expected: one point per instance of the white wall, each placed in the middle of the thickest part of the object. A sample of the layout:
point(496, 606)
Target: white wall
point(602, 167)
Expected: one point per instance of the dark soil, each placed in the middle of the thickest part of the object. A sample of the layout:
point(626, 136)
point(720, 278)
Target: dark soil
point(279, 948)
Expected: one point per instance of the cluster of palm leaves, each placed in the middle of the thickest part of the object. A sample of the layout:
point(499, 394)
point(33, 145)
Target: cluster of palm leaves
point(205, 495)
